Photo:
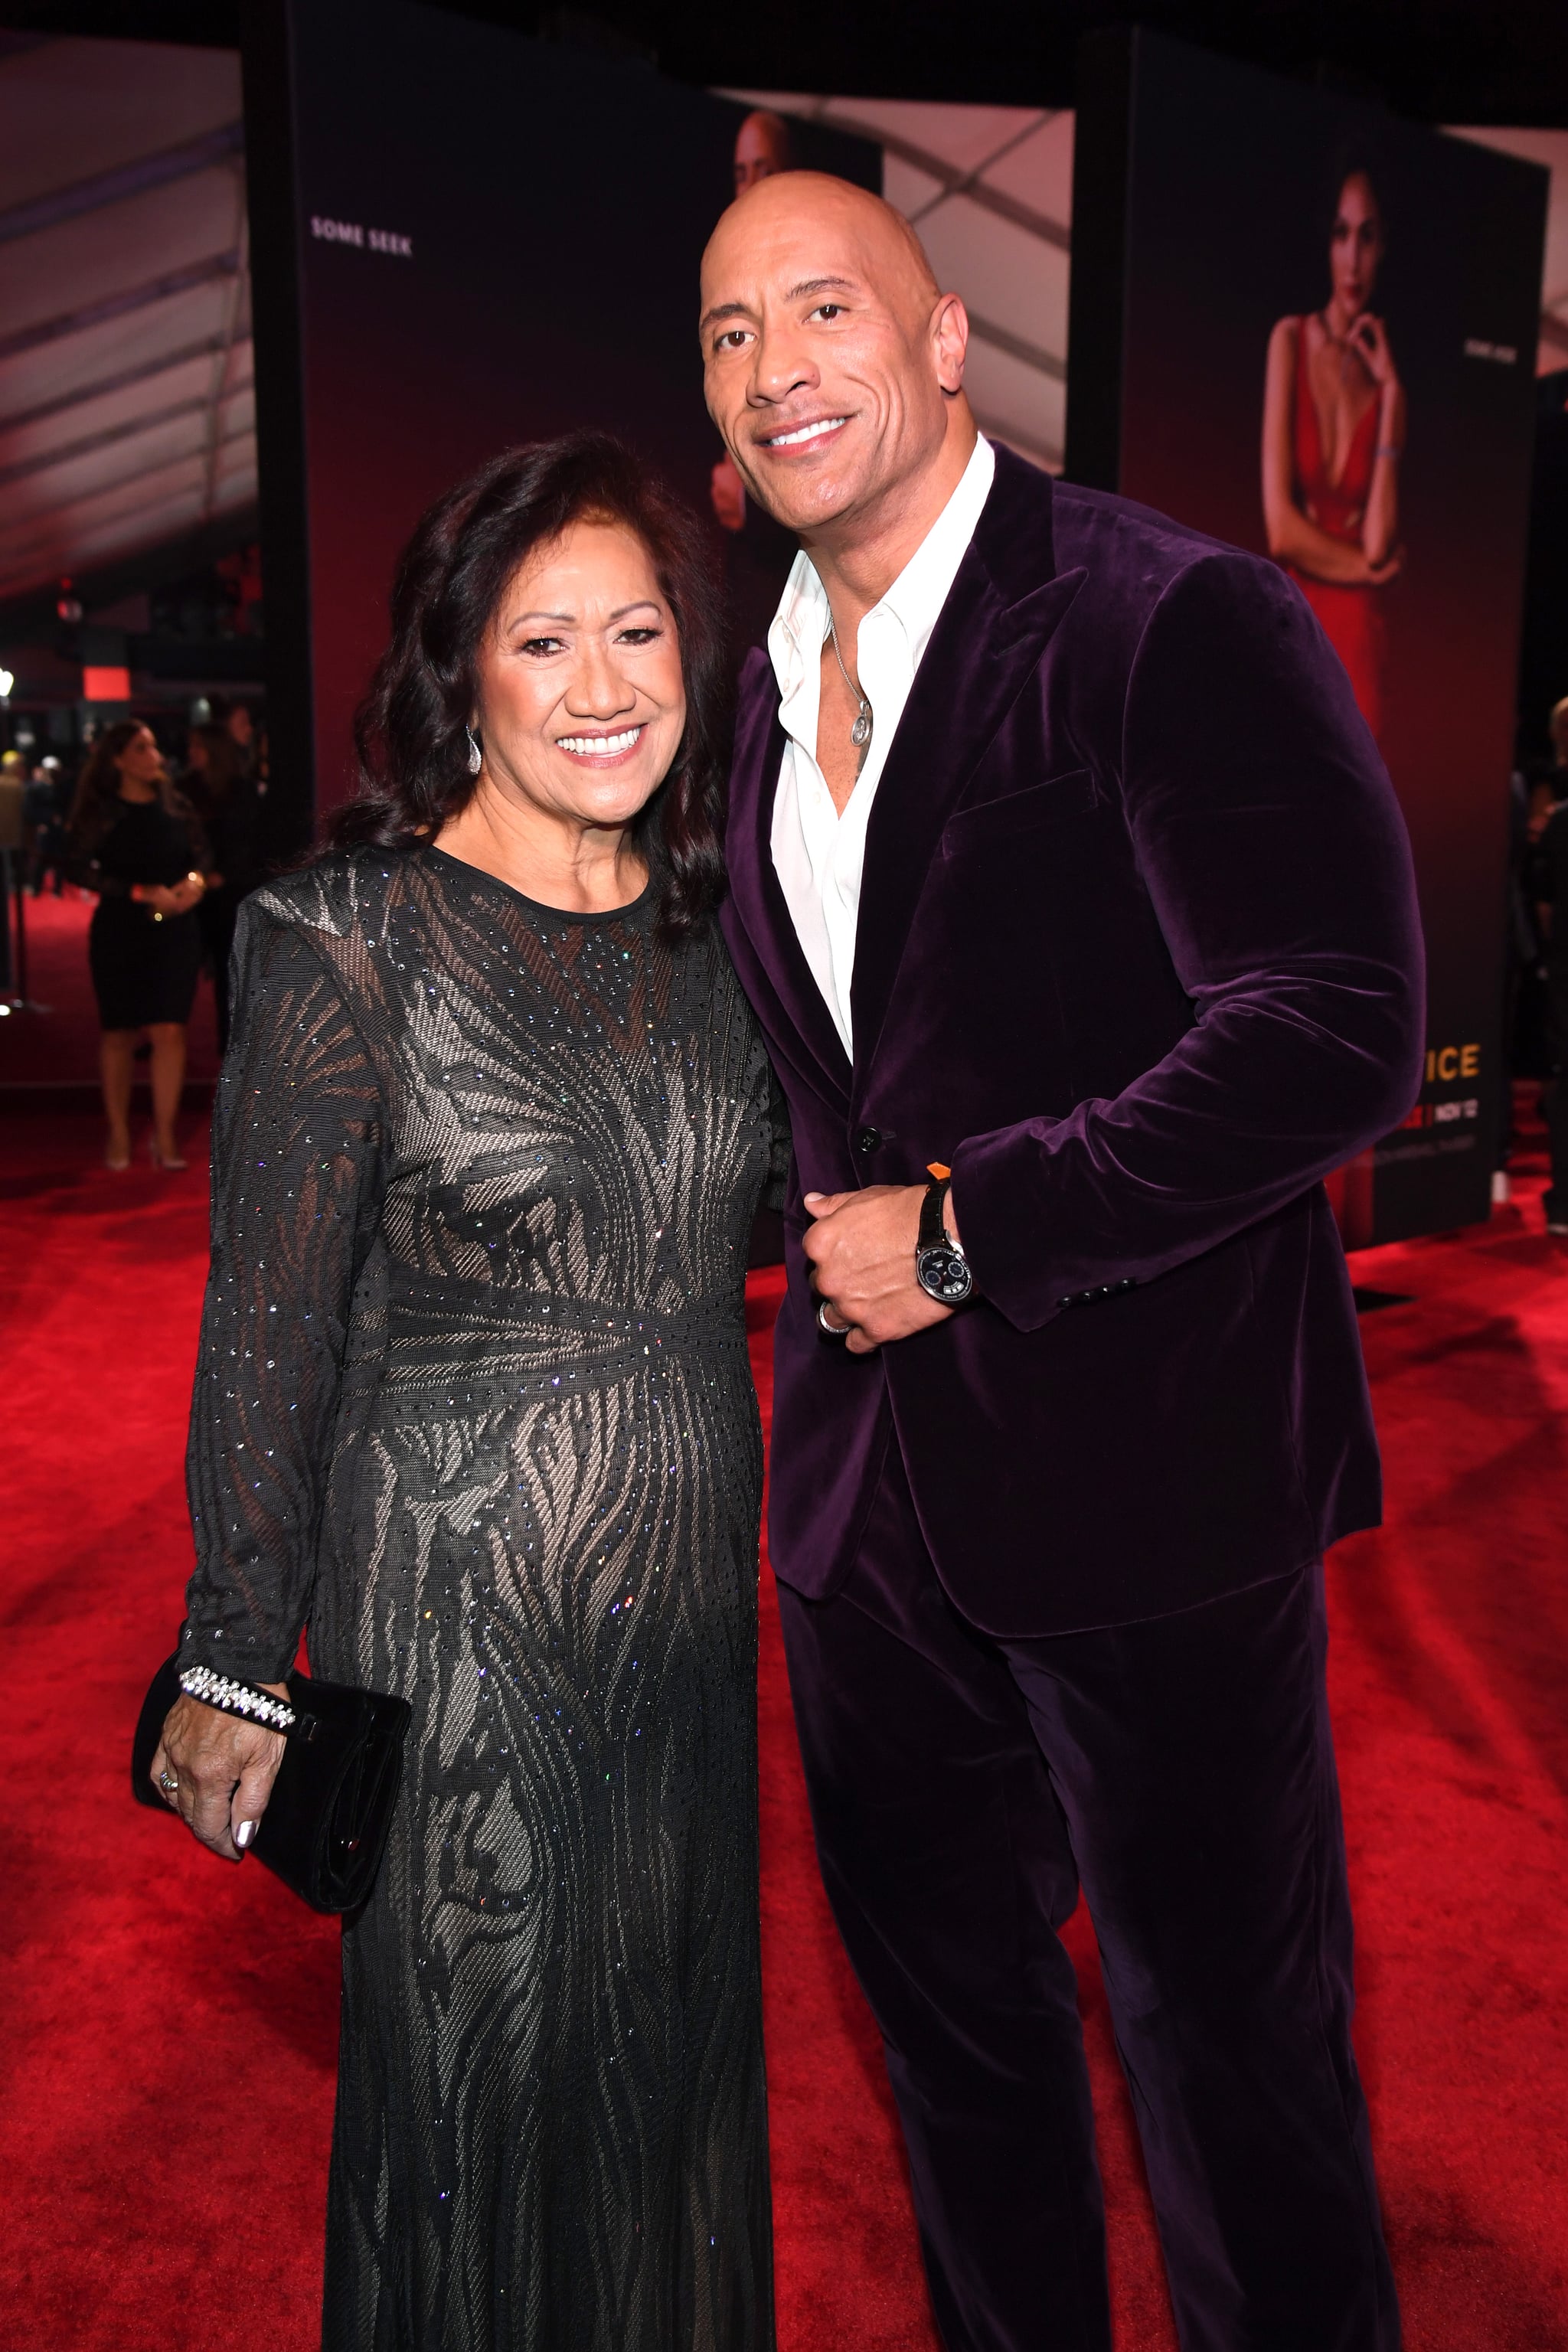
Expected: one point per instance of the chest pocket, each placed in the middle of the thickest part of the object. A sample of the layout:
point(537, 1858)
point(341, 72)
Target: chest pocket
point(1018, 814)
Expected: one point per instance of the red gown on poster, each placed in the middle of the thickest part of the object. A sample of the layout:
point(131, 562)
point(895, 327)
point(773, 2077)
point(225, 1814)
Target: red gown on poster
point(1350, 616)
point(1333, 428)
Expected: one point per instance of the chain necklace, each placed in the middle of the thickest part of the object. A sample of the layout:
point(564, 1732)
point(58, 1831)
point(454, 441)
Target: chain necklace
point(860, 733)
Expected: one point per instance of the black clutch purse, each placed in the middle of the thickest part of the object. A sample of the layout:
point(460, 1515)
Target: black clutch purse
point(325, 1830)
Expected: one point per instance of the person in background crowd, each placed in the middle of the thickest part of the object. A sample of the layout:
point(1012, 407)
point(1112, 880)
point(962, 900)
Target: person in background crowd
point(1550, 887)
point(13, 843)
point(1542, 783)
point(1553, 777)
point(136, 841)
point(241, 729)
point(14, 770)
point(220, 784)
point(1522, 954)
point(51, 805)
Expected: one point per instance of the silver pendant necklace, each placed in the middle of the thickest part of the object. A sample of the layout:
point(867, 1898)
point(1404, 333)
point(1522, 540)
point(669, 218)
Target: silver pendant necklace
point(860, 733)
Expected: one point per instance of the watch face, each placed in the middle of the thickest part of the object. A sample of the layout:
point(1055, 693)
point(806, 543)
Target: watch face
point(944, 1275)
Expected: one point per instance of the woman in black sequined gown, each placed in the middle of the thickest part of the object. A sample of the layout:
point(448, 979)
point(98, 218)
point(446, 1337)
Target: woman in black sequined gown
point(473, 1405)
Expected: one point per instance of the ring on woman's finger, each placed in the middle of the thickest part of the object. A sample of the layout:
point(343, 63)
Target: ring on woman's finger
point(169, 1784)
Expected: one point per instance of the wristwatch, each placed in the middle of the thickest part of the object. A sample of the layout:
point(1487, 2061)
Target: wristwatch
point(941, 1268)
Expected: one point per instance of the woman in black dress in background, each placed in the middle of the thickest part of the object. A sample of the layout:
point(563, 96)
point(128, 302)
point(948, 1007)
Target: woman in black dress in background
point(136, 841)
point(473, 1403)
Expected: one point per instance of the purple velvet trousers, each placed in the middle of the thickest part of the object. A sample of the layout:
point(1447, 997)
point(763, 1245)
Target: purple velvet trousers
point(1181, 1769)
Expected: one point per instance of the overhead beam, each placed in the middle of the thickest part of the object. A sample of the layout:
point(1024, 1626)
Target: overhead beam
point(104, 386)
point(952, 180)
point(127, 430)
point(27, 612)
point(120, 305)
point(126, 180)
point(23, 575)
point(1041, 451)
point(1018, 347)
point(16, 547)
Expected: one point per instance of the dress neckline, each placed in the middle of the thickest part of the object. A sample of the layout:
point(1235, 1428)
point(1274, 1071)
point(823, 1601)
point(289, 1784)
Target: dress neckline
point(632, 907)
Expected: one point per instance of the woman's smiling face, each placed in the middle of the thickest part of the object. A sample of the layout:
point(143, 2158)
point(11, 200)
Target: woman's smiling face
point(581, 699)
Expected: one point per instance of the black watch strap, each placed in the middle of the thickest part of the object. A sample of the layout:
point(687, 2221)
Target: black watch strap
point(933, 1226)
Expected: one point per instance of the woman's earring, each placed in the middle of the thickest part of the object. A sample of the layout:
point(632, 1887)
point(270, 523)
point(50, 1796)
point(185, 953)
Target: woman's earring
point(476, 757)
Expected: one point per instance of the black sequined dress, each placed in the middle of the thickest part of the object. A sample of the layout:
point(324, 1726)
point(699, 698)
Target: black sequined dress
point(473, 1401)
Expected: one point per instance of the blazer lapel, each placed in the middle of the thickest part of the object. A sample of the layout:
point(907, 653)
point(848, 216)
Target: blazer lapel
point(756, 894)
point(1003, 604)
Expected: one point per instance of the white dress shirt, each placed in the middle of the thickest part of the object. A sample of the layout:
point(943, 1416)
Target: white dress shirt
point(818, 853)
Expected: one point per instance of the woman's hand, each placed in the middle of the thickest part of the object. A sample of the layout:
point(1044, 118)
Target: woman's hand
point(1369, 341)
point(222, 1769)
point(170, 898)
point(1378, 575)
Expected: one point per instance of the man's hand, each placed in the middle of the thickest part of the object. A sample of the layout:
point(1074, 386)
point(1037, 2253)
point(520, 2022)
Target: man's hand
point(861, 1251)
point(223, 1770)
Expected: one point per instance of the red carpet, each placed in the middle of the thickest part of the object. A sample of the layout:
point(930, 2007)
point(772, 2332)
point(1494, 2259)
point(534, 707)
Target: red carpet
point(168, 2065)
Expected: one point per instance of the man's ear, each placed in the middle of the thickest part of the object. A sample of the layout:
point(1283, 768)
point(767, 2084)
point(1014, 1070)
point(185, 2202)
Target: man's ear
point(950, 336)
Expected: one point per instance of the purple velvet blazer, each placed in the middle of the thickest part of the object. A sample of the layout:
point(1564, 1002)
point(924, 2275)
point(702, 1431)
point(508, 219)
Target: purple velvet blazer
point(1139, 957)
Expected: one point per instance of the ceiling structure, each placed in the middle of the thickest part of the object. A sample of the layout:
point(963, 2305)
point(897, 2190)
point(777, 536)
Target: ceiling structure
point(126, 400)
point(1551, 147)
point(127, 416)
point(1493, 61)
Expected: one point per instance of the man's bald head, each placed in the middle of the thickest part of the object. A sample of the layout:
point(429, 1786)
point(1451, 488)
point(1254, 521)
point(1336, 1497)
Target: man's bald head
point(818, 198)
point(834, 362)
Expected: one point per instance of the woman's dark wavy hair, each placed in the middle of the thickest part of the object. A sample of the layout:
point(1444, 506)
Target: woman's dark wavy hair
point(409, 730)
point(96, 803)
point(1356, 160)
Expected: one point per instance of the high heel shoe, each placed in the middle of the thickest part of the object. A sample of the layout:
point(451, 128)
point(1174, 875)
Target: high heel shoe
point(171, 1162)
point(117, 1164)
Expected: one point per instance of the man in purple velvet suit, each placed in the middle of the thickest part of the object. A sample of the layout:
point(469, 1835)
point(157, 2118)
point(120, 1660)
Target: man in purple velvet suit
point(1061, 863)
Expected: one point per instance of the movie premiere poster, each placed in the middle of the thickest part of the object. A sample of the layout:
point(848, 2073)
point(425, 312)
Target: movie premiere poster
point(468, 238)
point(1308, 328)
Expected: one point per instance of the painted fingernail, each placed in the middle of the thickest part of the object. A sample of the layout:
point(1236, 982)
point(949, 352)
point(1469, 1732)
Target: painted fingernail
point(244, 1833)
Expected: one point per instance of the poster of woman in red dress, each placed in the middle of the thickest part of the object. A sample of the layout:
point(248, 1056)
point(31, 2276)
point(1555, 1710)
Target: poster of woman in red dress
point(1244, 243)
point(1333, 431)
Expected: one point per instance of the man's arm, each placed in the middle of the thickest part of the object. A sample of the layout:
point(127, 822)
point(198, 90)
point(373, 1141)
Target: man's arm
point(1272, 847)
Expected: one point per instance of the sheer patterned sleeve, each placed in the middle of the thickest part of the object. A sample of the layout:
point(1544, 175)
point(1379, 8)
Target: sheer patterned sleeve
point(297, 1157)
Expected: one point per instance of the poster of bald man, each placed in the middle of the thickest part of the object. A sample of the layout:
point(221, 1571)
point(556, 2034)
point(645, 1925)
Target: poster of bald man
point(444, 266)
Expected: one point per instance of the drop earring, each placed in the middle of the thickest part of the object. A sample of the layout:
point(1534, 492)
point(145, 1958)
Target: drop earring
point(476, 757)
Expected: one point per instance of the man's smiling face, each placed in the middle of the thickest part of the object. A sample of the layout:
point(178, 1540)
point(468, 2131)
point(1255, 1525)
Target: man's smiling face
point(829, 357)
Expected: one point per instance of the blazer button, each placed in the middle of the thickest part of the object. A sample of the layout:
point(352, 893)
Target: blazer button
point(870, 1140)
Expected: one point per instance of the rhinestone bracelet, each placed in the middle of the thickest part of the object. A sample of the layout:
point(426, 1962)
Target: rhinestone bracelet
point(213, 1689)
